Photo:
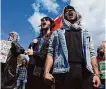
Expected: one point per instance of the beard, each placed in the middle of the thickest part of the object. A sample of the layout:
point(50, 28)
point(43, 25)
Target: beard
point(71, 19)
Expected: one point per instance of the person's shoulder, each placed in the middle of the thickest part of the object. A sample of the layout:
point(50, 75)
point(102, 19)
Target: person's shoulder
point(18, 67)
point(85, 31)
point(15, 43)
point(59, 30)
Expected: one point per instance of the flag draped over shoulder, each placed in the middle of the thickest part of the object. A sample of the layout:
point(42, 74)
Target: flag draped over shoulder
point(58, 22)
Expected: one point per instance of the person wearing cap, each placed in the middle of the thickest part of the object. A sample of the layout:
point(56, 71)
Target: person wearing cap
point(9, 79)
point(35, 75)
point(71, 55)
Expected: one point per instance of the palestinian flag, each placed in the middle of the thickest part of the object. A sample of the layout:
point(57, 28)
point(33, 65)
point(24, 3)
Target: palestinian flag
point(58, 23)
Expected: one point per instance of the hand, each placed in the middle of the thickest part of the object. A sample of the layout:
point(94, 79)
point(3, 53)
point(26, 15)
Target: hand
point(29, 51)
point(48, 76)
point(25, 81)
point(96, 81)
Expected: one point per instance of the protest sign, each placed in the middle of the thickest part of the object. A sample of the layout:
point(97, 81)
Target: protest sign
point(4, 50)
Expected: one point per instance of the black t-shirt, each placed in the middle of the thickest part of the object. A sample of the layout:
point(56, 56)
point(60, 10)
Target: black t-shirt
point(74, 45)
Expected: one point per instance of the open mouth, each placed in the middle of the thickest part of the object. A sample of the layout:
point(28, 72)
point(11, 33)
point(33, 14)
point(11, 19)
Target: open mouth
point(43, 24)
point(70, 17)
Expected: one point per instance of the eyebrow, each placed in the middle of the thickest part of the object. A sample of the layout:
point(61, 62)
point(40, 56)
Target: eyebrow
point(70, 10)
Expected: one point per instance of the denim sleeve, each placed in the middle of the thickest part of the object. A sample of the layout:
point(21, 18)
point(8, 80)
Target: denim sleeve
point(91, 47)
point(51, 44)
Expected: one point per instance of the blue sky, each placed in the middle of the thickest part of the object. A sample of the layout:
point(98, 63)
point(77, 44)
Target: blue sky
point(14, 16)
point(16, 13)
point(23, 16)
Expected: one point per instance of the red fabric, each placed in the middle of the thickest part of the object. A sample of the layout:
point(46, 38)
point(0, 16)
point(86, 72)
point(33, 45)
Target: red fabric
point(58, 22)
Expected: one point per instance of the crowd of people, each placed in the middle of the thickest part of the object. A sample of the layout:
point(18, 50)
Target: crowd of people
point(60, 59)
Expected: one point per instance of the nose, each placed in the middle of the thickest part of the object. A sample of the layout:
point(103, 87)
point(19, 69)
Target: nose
point(71, 14)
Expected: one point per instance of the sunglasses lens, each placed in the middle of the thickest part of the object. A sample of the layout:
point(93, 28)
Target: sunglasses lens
point(47, 19)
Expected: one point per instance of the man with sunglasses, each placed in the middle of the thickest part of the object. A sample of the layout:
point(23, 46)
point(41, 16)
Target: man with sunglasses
point(35, 77)
point(71, 55)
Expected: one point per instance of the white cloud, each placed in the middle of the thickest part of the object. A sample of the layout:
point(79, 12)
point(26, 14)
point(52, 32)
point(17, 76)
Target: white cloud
point(35, 18)
point(93, 14)
point(50, 5)
point(35, 21)
point(36, 7)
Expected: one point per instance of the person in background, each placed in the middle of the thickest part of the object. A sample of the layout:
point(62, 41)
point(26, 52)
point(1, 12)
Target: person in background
point(9, 78)
point(101, 58)
point(21, 73)
point(30, 79)
point(33, 45)
point(71, 55)
point(47, 25)
point(101, 52)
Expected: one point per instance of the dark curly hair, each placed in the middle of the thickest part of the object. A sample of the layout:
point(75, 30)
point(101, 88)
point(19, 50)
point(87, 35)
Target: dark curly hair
point(52, 24)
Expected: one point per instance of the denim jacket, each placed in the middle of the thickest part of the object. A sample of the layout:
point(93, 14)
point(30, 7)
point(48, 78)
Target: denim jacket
point(58, 49)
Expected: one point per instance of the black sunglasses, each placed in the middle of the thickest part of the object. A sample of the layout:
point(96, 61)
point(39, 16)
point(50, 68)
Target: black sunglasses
point(47, 19)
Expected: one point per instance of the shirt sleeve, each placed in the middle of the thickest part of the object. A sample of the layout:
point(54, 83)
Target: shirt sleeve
point(52, 43)
point(91, 47)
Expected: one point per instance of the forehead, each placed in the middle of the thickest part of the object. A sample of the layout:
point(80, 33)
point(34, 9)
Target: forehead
point(69, 10)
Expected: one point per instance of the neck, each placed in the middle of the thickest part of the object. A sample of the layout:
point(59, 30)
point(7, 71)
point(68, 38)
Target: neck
point(46, 31)
point(72, 21)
